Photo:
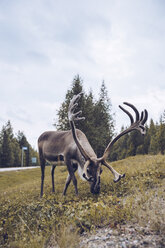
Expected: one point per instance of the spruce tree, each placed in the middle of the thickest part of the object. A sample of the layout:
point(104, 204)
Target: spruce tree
point(88, 125)
point(11, 148)
point(6, 146)
point(16, 153)
point(153, 148)
point(76, 88)
point(103, 121)
point(98, 124)
point(161, 134)
point(22, 141)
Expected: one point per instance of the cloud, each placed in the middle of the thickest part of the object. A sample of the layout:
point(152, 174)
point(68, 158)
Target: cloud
point(153, 101)
point(44, 44)
point(32, 119)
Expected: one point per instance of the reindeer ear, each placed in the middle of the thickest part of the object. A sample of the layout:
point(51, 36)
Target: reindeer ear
point(86, 168)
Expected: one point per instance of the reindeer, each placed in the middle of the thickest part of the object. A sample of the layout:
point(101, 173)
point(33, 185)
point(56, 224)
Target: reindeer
point(73, 147)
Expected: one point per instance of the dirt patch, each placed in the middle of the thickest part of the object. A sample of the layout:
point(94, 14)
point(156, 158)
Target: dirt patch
point(127, 236)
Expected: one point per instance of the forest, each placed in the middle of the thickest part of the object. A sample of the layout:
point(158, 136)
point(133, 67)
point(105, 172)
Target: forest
point(99, 127)
point(15, 150)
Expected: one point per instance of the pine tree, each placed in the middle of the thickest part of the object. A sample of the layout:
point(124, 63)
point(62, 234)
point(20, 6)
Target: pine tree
point(162, 118)
point(161, 134)
point(6, 145)
point(161, 138)
point(135, 140)
point(98, 124)
point(146, 143)
point(119, 149)
point(87, 126)
point(153, 148)
point(11, 148)
point(22, 141)
point(76, 88)
point(103, 121)
point(16, 153)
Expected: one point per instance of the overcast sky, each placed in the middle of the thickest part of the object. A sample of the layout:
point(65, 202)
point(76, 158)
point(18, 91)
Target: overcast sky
point(45, 43)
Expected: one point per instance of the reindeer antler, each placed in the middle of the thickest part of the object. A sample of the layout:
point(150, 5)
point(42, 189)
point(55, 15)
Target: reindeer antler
point(75, 116)
point(140, 120)
point(138, 124)
point(72, 106)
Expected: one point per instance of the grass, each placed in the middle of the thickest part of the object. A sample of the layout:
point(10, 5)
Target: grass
point(28, 221)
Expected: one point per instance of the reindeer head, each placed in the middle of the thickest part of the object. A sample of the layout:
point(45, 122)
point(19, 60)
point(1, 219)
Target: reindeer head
point(92, 166)
point(92, 173)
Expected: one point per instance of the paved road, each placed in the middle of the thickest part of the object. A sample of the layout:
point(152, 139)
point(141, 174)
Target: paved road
point(17, 168)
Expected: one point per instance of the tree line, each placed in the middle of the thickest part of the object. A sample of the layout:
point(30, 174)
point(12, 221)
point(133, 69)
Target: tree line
point(15, 150)
point(134, 143)
point(99, 127)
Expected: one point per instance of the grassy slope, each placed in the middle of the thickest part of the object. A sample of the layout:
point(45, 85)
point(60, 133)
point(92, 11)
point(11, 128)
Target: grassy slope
point(27, 220)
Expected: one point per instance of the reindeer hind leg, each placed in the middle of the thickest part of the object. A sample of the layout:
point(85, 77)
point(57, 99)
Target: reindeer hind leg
point(52, 174)
point(42, 161)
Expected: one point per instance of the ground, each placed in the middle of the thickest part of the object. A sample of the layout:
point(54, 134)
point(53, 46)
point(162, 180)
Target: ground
point(125, 236)
point(145, 230)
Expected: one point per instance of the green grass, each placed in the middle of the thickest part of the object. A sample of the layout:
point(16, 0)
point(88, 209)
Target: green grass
point(28, 221)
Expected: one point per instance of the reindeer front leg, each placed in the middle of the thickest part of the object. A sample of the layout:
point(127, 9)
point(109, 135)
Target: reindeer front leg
point(71, 176)
point(68, 180)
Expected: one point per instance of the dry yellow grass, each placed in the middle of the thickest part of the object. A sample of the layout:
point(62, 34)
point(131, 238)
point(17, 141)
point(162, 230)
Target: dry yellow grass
point(28, 221)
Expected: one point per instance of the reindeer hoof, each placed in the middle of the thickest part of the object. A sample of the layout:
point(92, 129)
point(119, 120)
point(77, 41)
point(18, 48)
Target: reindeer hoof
point(116, 180)
point(120, 176)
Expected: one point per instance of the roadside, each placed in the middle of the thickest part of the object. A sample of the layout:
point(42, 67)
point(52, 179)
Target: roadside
point(17, 168)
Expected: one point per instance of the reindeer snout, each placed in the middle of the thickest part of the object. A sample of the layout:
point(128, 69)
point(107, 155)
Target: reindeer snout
point(96, 190)
point(95, 186)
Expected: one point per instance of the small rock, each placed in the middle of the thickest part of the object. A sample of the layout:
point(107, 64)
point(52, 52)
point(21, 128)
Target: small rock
point(108, 235)
point(110, 244)
point(123, 245)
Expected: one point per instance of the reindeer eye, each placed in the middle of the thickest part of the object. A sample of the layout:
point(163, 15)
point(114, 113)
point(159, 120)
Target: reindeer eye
point(89, 171)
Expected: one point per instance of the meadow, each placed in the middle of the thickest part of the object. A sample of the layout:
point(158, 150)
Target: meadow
point(28, 221)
